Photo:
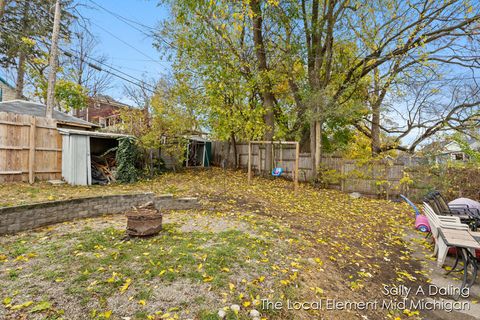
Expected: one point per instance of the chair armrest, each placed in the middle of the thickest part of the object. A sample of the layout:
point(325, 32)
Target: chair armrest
point(449, 219)
point(458, 226)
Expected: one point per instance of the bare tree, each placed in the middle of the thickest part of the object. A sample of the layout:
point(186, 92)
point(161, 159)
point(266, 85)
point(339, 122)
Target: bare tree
point(83, 61)
point(430, 105)
point(141, 94)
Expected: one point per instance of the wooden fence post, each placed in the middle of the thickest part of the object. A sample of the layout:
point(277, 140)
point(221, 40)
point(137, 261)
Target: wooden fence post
point(31, 150)
point(297, 157)
point(249, 162)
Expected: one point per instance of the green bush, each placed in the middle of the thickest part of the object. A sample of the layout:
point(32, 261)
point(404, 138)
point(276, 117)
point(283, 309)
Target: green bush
point(127, 154)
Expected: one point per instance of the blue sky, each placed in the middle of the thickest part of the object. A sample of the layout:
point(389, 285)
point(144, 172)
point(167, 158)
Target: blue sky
point(143, 60)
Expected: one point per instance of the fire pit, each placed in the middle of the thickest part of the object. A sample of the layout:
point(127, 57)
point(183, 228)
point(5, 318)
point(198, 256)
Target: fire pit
point(144, 221)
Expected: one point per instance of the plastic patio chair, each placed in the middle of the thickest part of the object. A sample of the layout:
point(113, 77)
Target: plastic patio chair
point(471, 216)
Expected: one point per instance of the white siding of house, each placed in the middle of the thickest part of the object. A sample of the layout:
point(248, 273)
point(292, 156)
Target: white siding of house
point(7, 93)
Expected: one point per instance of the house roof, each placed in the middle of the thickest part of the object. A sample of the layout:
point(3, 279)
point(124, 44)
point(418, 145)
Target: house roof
point(6, 83)
point(39, 110)
point(100, 98)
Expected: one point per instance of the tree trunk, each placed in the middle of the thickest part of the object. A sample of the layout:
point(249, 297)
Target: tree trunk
point(268, 98)
point(312, 149)
point(375, 129)
point(20, 75)
point(375, 102)
point(234, 145)
point(3, 4)
point(318, 144)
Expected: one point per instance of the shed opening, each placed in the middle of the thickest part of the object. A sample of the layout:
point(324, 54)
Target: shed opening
point(103, 159)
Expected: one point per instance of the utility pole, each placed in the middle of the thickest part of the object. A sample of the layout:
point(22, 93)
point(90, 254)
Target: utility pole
point(53, 62)
point(3, 4)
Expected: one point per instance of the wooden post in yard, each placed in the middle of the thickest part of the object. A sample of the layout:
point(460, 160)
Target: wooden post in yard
point(249, 162)
point(297, 156)
point(53, 61)
point(31, 150)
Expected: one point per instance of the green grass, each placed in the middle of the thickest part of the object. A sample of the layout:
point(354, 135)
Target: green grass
point(97, 263)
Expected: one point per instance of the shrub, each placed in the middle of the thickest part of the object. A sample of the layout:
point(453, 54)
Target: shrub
point(127, 154)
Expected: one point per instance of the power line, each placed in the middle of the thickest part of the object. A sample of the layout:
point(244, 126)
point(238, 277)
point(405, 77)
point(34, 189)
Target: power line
point(127, 44)
point(132, 24)
point(135, 81)
point(109, 65)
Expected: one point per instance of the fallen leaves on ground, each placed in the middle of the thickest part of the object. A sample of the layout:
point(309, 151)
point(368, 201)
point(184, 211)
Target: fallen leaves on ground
point(248, 243)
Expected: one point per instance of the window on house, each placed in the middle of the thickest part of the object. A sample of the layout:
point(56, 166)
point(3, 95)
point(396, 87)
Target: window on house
point(102, 122)
point(457, 156)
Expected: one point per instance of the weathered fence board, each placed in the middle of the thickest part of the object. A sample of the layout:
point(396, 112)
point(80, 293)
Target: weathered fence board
point(371, 180)
point(30, 147)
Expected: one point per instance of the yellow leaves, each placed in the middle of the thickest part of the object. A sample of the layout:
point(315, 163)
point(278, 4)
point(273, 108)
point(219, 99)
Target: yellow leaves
point(22, 306)
point(319, 261)
point(161, 273)
point(21, 258)
point(405, 274)
point(59, 280)
point(246, 303)
point(113, 278)
point(28, 41)
point(200, 266)
point(125, 285)
point(207, 278)
point(106, 314)
point(3, 258)
point(410, 313)
point(41, 306)
point(355, 285)
point(142, 302)
point(231, 286)
point(225, 269)
point(285, 282)
point(293, 276)
point(7, 301)
point(317, 290)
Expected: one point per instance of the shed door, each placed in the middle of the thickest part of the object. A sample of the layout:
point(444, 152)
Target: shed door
point(76, 160)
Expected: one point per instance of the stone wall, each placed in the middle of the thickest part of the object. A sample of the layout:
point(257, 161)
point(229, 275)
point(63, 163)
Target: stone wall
point(25, 217)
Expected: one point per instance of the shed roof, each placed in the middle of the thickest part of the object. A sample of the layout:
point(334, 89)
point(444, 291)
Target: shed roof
point(94, 134)
point(39, 110)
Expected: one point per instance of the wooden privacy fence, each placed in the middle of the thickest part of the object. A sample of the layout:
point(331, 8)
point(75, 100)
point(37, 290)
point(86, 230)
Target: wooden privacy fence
point(377, 179)
point(30, 147)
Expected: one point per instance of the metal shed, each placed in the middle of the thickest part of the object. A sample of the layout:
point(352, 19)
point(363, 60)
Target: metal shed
point(76, 153)
point(199, 152)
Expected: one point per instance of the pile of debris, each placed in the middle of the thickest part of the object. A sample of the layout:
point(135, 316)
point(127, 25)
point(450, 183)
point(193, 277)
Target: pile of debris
point(145, 220)
point(104, 168)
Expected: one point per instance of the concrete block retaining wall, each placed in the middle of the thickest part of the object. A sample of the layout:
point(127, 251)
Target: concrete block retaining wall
point(25, 217)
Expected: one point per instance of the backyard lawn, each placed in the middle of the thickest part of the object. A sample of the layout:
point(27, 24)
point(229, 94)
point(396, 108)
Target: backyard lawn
point(247, 243)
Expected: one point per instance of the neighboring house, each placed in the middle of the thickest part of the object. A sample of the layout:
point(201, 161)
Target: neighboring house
point(7, 91)
point(103, 110)
point(444, 151)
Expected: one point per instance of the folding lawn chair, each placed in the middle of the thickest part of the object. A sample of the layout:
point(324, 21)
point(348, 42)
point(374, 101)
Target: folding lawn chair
point(468, 215)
